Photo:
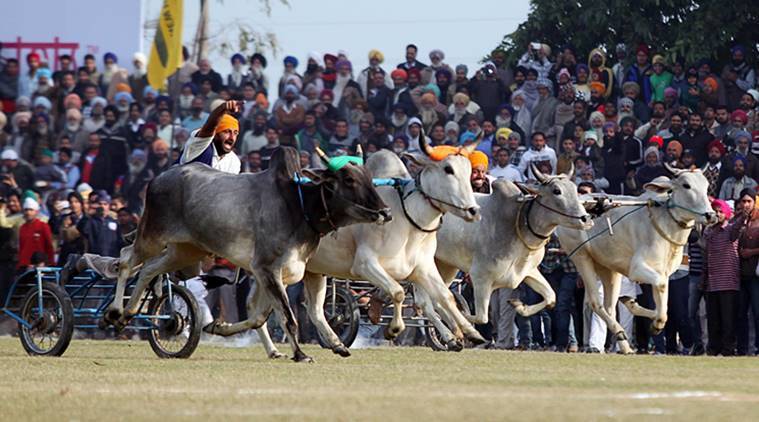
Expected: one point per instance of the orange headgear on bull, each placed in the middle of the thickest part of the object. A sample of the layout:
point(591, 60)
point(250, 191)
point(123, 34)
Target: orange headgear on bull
point(441, 152)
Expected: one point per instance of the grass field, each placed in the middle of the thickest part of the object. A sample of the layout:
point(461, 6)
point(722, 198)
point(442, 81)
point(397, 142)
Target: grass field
point(124, 380)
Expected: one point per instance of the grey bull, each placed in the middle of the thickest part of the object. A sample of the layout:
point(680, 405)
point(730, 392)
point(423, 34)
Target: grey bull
point(265, 223)
point(646, 246)
point(507, 245)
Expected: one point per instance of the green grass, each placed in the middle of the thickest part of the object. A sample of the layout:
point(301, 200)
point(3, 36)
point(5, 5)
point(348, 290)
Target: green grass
point(124, 380)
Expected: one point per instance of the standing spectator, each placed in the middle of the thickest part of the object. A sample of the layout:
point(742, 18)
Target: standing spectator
point(748, 249)
point(99, 229)
point(290, 115)
point(488, 91)
point(539, 153)
point(102, 163)
point(378, 95)
point(9, 86)
point(746, 76)
point(504, 169)
point(733, 185)
point(544, 111)
point(19, 173)
point(34, 236)
point(660, 79)
point(366, 76)
point(237, 77)
point(722, 281)
point(411, 61)
point(640, 72)
point(206, 73)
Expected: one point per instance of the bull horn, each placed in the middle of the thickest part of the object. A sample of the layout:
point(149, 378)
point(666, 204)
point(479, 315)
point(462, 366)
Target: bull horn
point(571, 171)
point(423, 145)
point(672, 170)
point(322, 155)
point(473, 146)
point(539, 176)
point(359, 151)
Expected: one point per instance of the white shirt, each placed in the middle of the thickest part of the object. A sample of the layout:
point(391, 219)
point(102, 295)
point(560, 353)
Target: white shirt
point(195, 146)
point(510, 172)
point(545, 154)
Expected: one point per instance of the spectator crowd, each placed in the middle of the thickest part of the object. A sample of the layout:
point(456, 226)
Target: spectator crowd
point(79, 146)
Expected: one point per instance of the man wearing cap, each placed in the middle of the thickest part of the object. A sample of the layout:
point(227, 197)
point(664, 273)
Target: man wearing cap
point(213, 144)
point(34, 236)
point(99, 229)
point(18, 172)
point(48, 173)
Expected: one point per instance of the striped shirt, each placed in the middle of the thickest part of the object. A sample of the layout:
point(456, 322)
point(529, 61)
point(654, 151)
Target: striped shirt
point(695, 258)
point(722, 263)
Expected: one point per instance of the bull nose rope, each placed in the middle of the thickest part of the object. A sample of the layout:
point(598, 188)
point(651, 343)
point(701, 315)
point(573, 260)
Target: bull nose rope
point(669, 204)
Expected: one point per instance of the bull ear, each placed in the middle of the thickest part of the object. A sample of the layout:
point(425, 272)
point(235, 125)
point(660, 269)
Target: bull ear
point(659, 185)
point(539, 176)
point(317, 176)
point(418, 159)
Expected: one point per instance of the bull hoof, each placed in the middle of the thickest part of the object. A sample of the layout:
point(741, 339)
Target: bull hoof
point(302, 357)
point(277, 355)
point(475, 338)
point(110, 317)
point(656, 331)
point(454, 346)
point(341, 350)
point(390, 333)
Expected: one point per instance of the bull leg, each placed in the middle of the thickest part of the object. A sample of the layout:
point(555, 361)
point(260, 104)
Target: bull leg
point(175, 257)
point(259, 308)
point(316, 289)
point(538, 283)
point(447, 272)
point(422, 299)
point(637, 310)
point(127, 260)
point(366, 267)
point(612, 283)
point(428, 278)
point(590, 278)
point(642, 273)
point(483, 290)
point(271, 280)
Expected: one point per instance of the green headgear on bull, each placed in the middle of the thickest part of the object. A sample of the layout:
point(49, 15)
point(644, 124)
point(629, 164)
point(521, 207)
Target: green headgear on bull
point(336, 163)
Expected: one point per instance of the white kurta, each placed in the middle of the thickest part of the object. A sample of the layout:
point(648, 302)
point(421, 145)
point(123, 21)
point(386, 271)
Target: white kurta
point(195, 146)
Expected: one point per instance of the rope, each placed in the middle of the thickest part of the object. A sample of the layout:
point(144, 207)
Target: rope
point(605, 230)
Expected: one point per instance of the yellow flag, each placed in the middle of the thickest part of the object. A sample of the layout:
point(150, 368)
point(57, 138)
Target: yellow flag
point(166, 53)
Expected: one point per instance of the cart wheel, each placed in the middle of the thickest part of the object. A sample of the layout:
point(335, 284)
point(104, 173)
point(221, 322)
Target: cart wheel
point(176, 324)
point(52, 325)
point(433, 337)
point(342, 315)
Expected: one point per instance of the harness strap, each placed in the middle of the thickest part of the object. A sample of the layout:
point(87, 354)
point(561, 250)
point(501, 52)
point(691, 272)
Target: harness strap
point(430, 198)
point(518, 229)
point(411, 220)
point(661, 232)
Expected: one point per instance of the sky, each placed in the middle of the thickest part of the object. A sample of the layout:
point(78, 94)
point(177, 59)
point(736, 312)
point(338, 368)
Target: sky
point(464, 30)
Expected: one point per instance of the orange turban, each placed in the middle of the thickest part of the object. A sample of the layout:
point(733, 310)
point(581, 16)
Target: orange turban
point(227, 122)
point(599, 86)
point(122, 87)
point(712, 83)
point(478, 158)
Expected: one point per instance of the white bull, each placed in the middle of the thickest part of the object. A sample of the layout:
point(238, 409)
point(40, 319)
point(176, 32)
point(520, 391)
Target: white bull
point(646, 246)
point(403, 249)
point(507, 245)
